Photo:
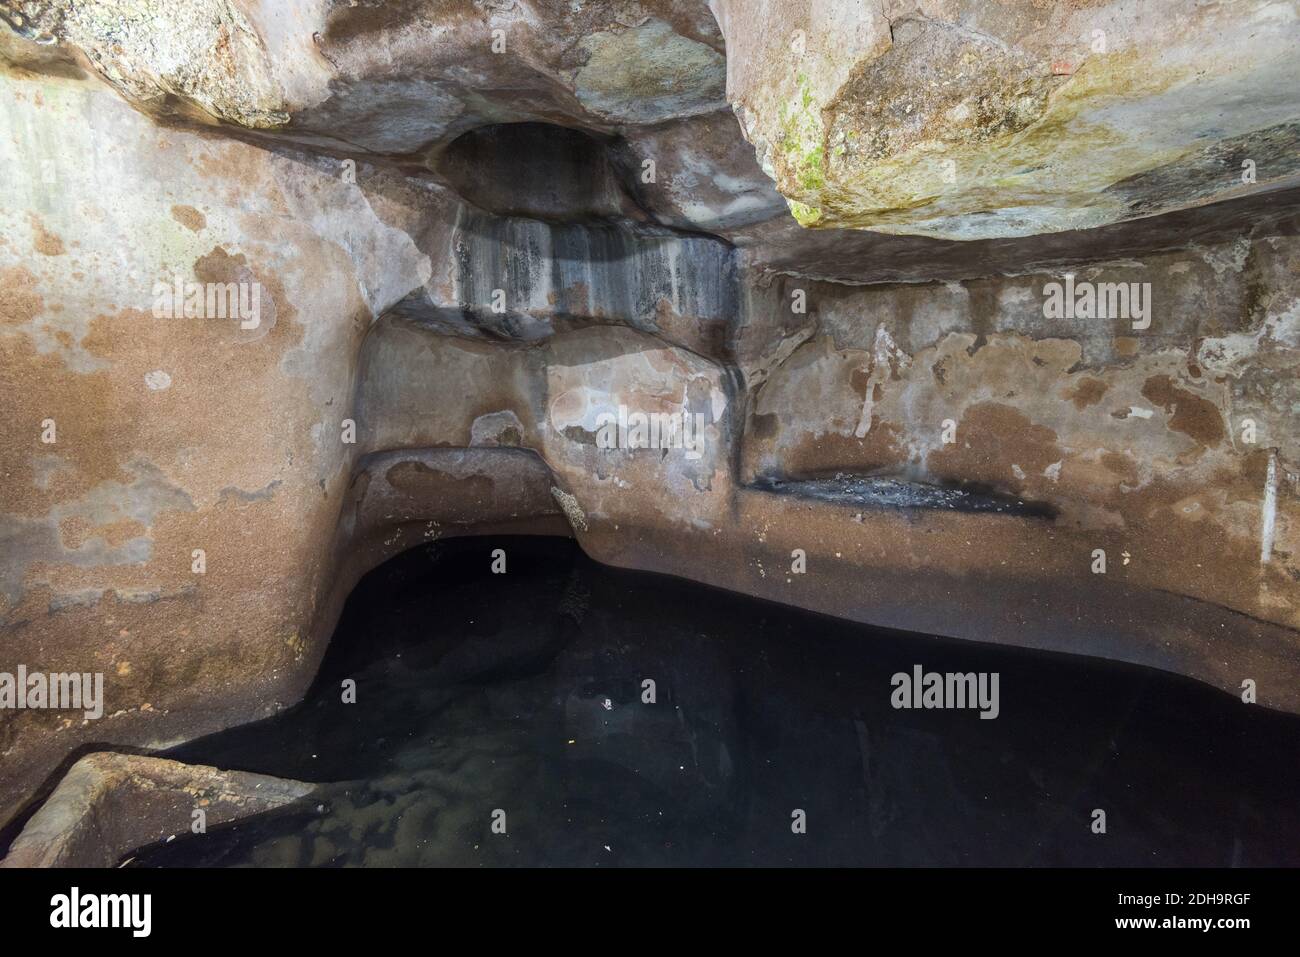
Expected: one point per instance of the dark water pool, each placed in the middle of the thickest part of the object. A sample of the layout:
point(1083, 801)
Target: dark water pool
point(522, 693)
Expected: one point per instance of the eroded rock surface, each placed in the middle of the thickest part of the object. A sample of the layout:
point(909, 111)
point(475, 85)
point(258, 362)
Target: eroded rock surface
point(969, 120)
point(465, 271)
point(110, 804)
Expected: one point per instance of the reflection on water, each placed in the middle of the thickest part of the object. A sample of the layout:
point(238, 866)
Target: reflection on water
point(523, 693)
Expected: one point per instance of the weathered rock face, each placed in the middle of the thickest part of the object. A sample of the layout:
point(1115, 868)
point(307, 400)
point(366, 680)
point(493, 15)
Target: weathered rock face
point(394, 78)
point(1150, 442)
point(513, 277)
point(970, 120)
point(288, 288)
point(134, 436)
point(109, 804)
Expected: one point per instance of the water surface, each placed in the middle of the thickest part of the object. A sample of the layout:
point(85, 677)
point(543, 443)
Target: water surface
point(523, 693)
